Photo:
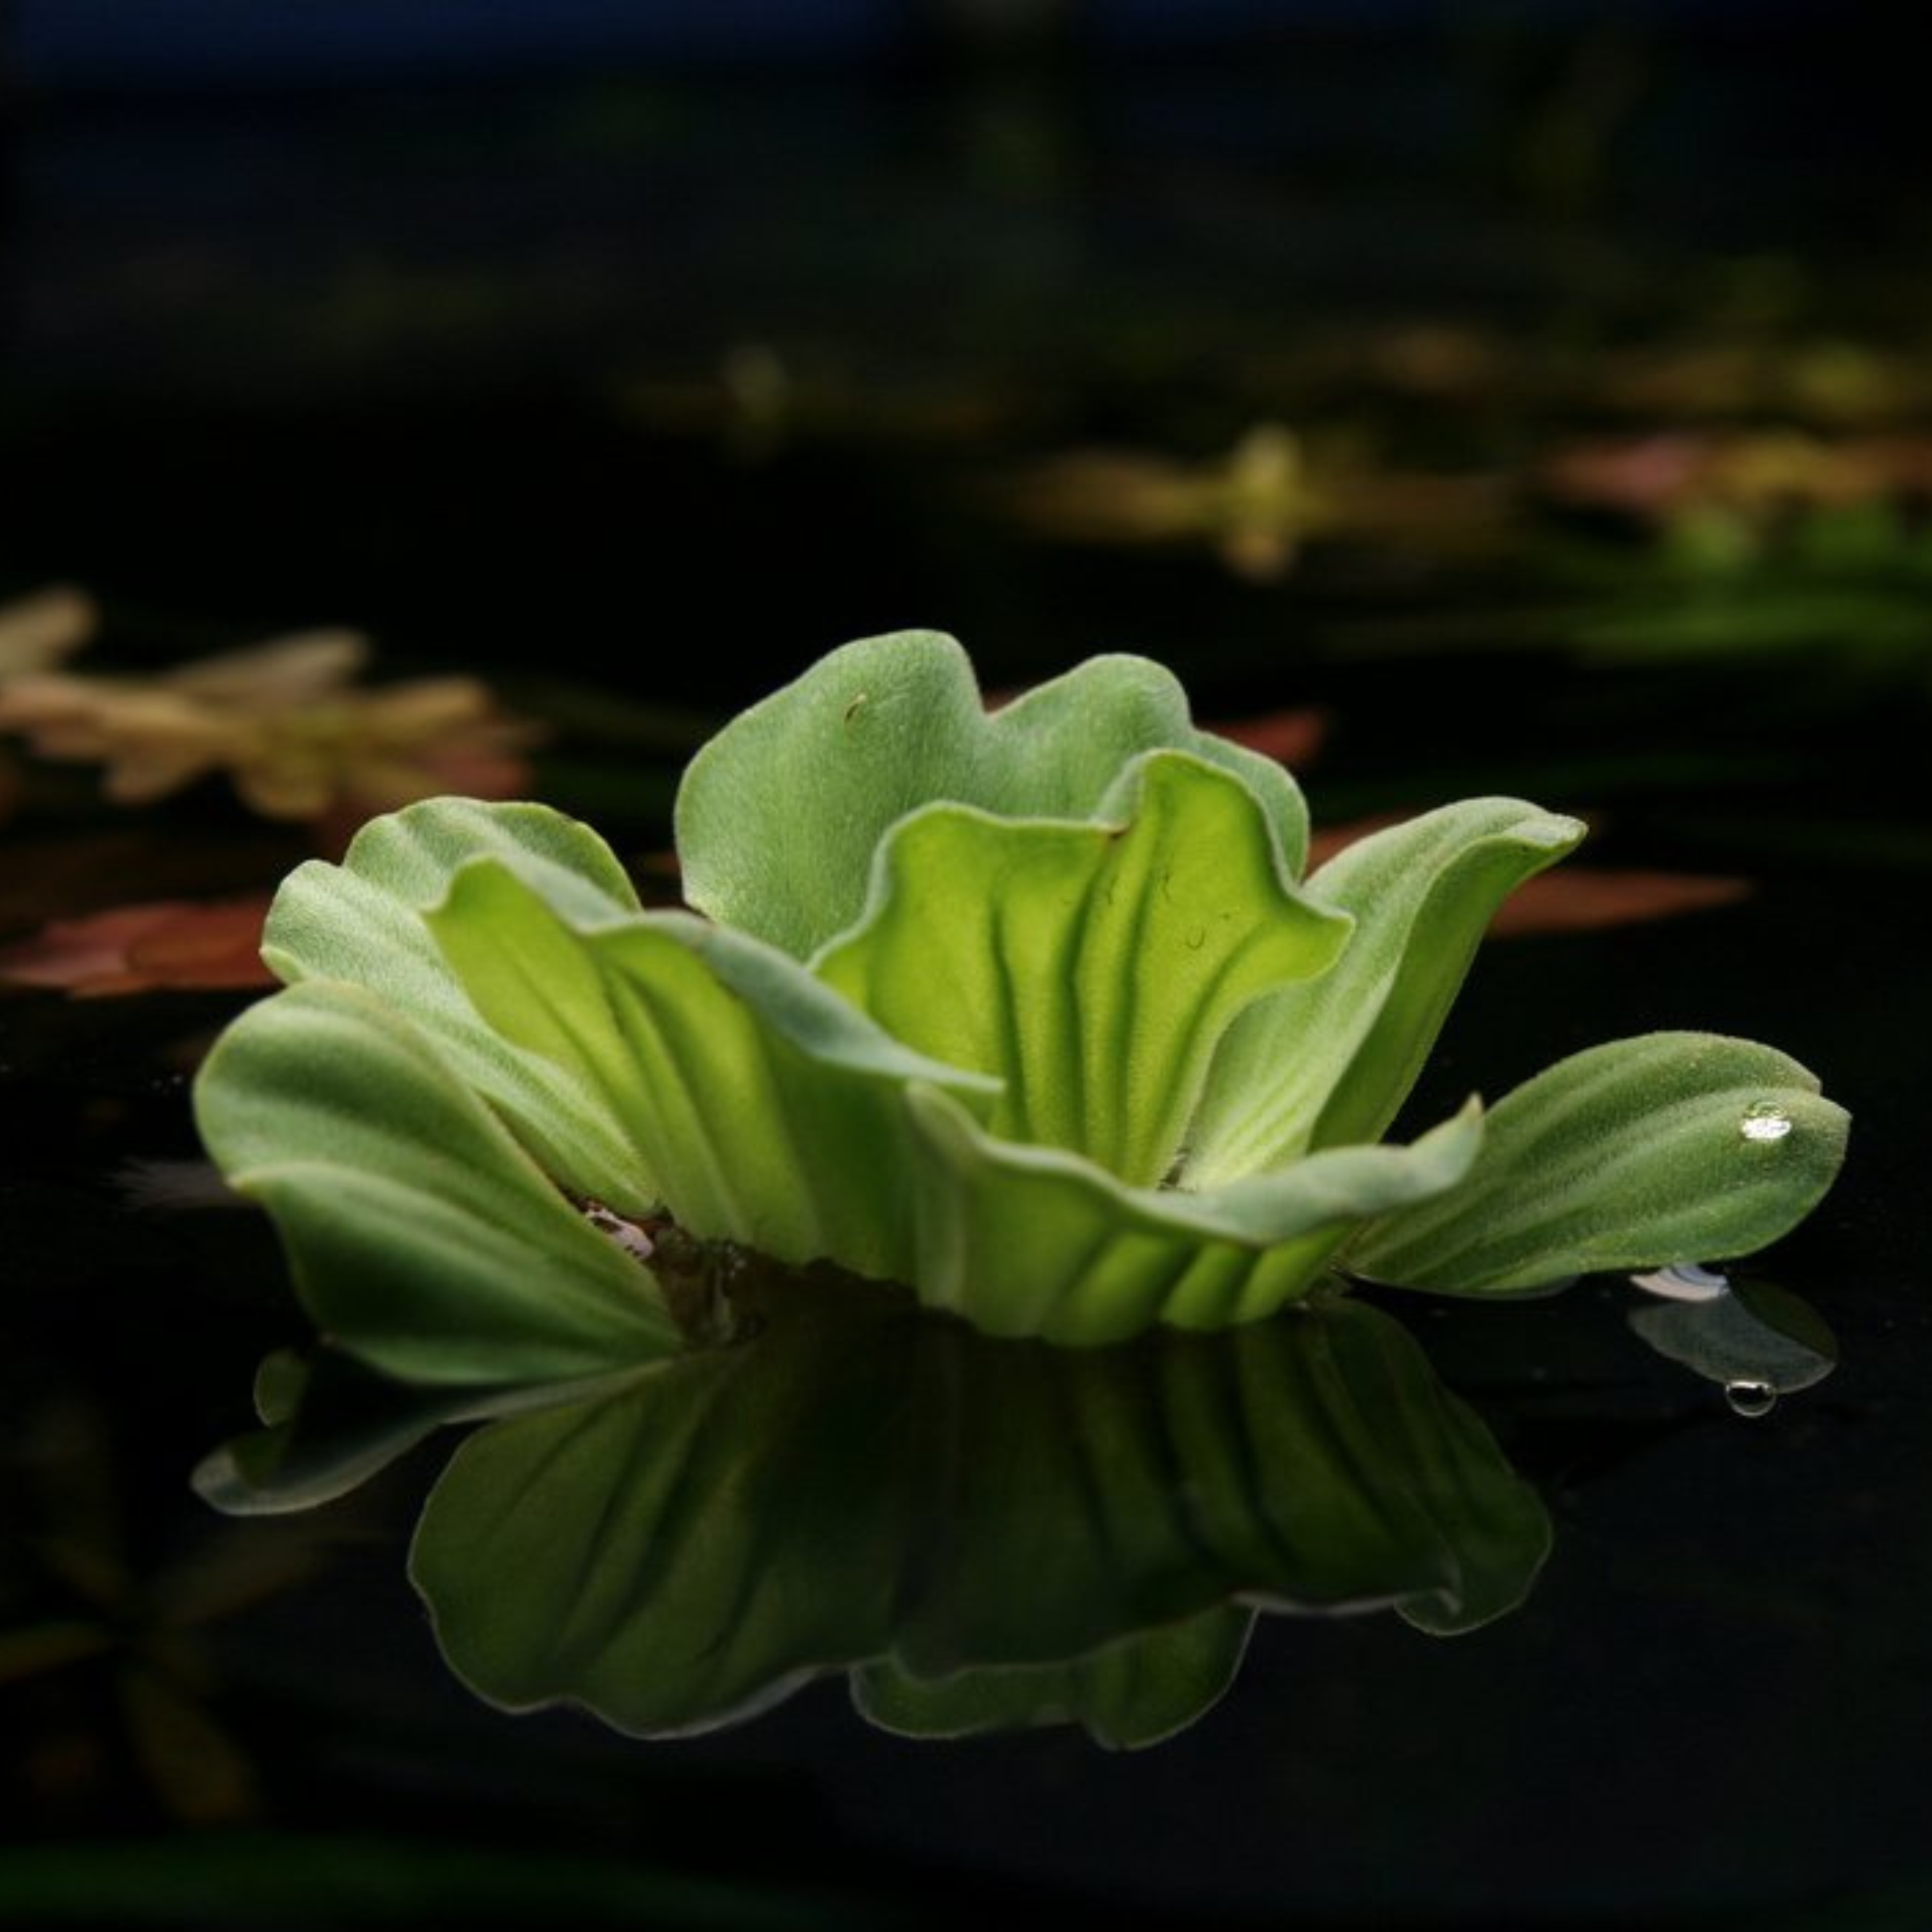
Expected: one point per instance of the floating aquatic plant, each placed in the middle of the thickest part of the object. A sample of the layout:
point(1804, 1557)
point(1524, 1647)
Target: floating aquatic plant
point(1032, 1016)
point(1032, 1012)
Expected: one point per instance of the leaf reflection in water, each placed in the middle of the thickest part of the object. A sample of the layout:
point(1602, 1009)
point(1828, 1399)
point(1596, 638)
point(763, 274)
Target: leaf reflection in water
point(1755, 1340)
point(984, 1534)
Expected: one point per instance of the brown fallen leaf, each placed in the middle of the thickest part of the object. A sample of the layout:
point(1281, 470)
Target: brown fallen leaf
point(1258, 504)
point(39, 631)
point(181, 945)
point(1755, 473)
point(1577, 898)
point(1588, 899)
point(297, 739)
point(1292, 736)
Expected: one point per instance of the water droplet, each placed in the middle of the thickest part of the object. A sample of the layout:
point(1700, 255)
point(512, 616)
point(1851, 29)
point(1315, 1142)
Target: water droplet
point(1765, 1120)
point(1750, 1399)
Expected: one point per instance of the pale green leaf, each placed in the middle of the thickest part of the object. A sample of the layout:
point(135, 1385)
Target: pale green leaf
point(1328, 1063)
point(1027, 1241)
point(1090, 967)
point(421, 1237)
point(765, 1110)
point(778, 816)
point(362, 922)
point(1669, 1148)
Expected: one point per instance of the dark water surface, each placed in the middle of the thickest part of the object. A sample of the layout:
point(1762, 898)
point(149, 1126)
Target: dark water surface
point(449, 368)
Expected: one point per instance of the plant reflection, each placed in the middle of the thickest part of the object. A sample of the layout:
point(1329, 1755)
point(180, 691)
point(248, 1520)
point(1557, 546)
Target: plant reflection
point(983, 1534)
point(1757, 1341)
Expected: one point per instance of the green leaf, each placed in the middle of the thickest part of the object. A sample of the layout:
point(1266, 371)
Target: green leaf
point(778, 816)
point(859, 1483)
point(1125, 1695)
point(1669, 1148)
point(1026, 1240)
point(763, 1109)
point(422, 1238)
point(1328, 1063)
point(362, 922)
point(1090, 967)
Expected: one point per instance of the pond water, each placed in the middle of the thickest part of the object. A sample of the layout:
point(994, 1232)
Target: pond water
point(629, 399)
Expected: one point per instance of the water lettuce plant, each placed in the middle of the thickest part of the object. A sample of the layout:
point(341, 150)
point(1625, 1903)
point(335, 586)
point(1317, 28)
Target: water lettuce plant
point(1032, 1012)
point(1029, 1016)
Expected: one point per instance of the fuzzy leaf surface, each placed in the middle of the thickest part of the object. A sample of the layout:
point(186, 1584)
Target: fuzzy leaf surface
point(1027, 1241)
point(778, 816)
point(362, 922)
point(1090, 967)
point(1328, 1063)
point(422, 1238)
point(1669, 1147)
point(766, 1110)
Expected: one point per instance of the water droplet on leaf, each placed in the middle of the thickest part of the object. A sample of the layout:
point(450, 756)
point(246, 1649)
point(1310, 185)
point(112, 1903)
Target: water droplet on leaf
point(1765, 1120)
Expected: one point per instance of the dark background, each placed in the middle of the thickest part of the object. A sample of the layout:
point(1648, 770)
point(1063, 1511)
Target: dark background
point(629, 357)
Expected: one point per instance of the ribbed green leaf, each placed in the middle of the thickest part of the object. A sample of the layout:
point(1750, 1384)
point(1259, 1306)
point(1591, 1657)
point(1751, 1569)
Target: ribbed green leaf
point(1669, 1148)
point(860, 1483)
point(422, 1238)
point(1027, 1241)
point(1090, 967)
point(778, 816)
point(361, 921)
point(766, 1110)
point(1328, 1063)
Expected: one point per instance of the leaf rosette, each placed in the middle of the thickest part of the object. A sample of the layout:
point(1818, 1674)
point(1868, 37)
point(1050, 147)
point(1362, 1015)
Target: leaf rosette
point(1032, 1011)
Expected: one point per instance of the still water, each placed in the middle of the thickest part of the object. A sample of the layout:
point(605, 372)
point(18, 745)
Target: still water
point(1606, 1607)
